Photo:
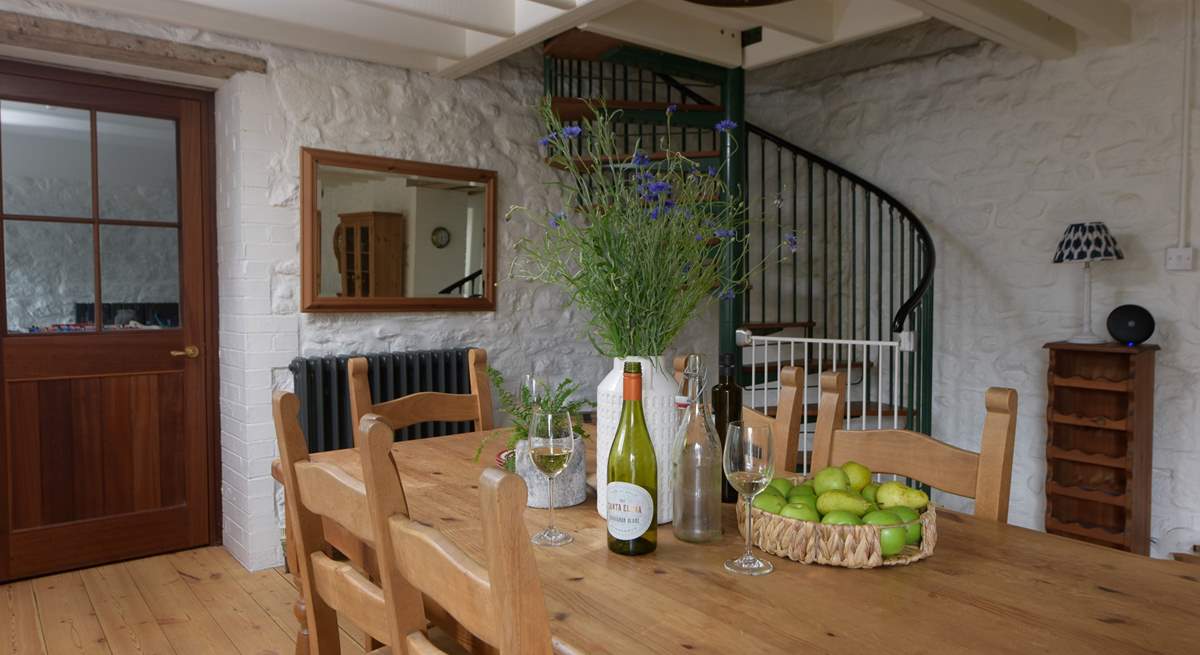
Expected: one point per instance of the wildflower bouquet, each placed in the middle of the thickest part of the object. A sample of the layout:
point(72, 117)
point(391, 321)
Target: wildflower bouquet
point(640, 244)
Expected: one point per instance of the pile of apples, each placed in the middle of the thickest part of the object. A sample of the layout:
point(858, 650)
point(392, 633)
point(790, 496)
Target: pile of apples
point(846, 495)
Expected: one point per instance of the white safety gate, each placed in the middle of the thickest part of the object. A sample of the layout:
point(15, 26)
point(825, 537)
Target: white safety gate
point(873, 382)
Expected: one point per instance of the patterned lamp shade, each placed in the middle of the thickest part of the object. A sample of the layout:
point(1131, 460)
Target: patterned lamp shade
point(1087, 242)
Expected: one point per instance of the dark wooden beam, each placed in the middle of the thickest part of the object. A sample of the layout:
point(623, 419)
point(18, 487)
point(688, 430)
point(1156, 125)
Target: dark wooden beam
point(84, 41)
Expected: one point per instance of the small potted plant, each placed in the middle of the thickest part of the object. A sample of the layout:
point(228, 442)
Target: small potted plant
point(570, 486)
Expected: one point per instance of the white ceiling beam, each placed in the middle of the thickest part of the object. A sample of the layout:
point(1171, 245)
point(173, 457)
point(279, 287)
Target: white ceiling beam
point(858, 19)
point(1013, 23)
point(651, 26)
point(814, 20)
point(532, 35)
point(494, 17)
point(425, 44)
point(1108, 21)
point(557, 4)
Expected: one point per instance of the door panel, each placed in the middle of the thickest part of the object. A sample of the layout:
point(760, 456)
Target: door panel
point(108, 424)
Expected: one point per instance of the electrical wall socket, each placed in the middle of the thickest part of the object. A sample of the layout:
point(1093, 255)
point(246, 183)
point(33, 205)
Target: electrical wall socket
point(1180, 259)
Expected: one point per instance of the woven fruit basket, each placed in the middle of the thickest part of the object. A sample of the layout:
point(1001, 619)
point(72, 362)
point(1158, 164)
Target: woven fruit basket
point(849, 546)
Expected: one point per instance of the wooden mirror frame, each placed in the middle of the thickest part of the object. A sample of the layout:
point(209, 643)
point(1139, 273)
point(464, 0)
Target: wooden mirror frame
point(310, 230)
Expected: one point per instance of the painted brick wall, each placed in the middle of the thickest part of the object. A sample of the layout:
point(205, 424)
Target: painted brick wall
point(997, 152)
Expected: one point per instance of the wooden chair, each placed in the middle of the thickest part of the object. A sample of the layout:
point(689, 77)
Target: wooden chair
point(500, 601)
point(985, 476)
point(427, 405)
point(320, 495)
point(789, 415)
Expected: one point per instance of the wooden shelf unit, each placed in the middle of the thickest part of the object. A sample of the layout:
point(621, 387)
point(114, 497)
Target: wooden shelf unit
point(1099, 443)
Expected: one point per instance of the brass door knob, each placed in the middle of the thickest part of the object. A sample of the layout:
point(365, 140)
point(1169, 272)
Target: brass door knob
point(191, 352)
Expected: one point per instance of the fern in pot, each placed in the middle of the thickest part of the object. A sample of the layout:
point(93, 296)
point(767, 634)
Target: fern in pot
point(571, 485)
point(641, 246)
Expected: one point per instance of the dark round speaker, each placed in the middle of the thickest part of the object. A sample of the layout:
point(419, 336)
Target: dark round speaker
point(1130, 324)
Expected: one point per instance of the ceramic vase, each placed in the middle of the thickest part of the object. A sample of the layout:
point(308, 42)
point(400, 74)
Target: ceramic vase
point(570, 487)
point(658, 404)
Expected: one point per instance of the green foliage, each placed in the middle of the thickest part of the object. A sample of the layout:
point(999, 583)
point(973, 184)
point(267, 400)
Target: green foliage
point(642, 245)
point(520, 407)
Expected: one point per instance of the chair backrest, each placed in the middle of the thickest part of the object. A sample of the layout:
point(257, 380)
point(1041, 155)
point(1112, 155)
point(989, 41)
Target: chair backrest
point(785, 425)
point(500, 601)
point(317, 494)
point(426, 405)
point(985, 476)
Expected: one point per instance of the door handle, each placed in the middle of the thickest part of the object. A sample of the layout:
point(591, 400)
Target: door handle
point(191, 352)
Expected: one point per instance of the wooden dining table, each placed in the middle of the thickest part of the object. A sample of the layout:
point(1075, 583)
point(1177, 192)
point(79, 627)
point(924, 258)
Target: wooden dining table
point(987, 588)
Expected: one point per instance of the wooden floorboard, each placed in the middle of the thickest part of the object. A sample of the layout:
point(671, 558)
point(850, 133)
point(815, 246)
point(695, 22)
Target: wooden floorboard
point(198, 602)
point(20, 627)
point(69, 623)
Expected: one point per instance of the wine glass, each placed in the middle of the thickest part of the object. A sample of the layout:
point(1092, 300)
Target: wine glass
point(551, 443)
point(749, 465)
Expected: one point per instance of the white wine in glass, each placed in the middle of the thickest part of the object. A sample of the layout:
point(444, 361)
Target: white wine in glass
point(749, 465)
point(551, 444)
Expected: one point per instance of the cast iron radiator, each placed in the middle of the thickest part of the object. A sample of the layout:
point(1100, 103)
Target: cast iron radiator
point(324, 391)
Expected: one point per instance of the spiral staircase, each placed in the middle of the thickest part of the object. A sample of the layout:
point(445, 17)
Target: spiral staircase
point(863, 264)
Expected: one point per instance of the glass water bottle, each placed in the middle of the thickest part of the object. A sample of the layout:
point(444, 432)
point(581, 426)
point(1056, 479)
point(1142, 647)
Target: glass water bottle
point(696, 470)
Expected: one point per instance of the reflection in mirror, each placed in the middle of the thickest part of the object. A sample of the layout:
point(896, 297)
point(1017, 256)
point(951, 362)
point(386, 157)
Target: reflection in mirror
point(46, 160)
point(390, 235)
point(136, 167)
point(49, 276)
point(139, 276)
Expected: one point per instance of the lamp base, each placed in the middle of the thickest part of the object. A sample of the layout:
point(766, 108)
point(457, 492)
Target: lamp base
point(1086, 338)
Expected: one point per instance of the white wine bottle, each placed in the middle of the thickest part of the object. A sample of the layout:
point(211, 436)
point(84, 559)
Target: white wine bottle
point(632, 491)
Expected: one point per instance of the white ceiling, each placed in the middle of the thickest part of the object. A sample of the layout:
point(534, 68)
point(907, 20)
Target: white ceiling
point(456, 37)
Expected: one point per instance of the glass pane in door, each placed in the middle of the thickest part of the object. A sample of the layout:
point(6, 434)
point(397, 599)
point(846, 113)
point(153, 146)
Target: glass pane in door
point(49, 276)
point(139, 276)
point(137, 168)
point(46, 160)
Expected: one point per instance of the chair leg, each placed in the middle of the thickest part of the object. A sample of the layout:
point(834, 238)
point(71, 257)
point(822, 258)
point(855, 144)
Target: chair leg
point(299, 609)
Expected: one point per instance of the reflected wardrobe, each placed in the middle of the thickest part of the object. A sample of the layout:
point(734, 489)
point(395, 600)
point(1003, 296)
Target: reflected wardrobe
point(108, 341)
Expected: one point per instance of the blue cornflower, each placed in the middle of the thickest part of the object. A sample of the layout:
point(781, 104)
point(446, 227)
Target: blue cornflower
point(728, 294)
point(672, 108)
point(668, 203)
point(712, 171)
point(572, 131)
point(725, 125)
point(557, 218)
point(655, 213)
point(722, 233)
point(545, 141)
point(792, 241)
point(699, 237)
point(640, 159)
point(659, 188)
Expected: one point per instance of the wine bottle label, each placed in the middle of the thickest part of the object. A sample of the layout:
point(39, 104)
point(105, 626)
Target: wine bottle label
point(630, 510)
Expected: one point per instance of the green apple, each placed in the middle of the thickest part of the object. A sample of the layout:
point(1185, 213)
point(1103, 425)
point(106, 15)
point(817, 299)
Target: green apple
point(839, 500)
point(769, 502)
point(830, 479)
point(868, 491)
point(912, 521)
point(805, 488)
point(802, 512)
point(891, 539)
point(801, 499)
point(859, 475)
point(839, 517)
point(897, 494)
point(782, 485)
point(769, 490)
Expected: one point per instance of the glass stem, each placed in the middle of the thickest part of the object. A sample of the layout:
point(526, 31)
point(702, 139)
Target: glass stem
point(551, 501)
point(749, 528)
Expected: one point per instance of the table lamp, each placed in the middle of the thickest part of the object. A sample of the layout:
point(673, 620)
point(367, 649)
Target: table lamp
point(1087, 243)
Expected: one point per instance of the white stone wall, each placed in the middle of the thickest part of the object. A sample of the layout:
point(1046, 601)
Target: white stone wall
point(997, 152)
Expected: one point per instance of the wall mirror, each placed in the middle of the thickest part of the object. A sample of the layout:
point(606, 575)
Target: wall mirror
point(385, 234)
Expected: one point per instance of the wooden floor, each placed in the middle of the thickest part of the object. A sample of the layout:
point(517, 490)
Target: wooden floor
point(197, 601)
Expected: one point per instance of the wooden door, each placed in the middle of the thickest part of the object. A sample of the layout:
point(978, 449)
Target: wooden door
point(108, 347)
